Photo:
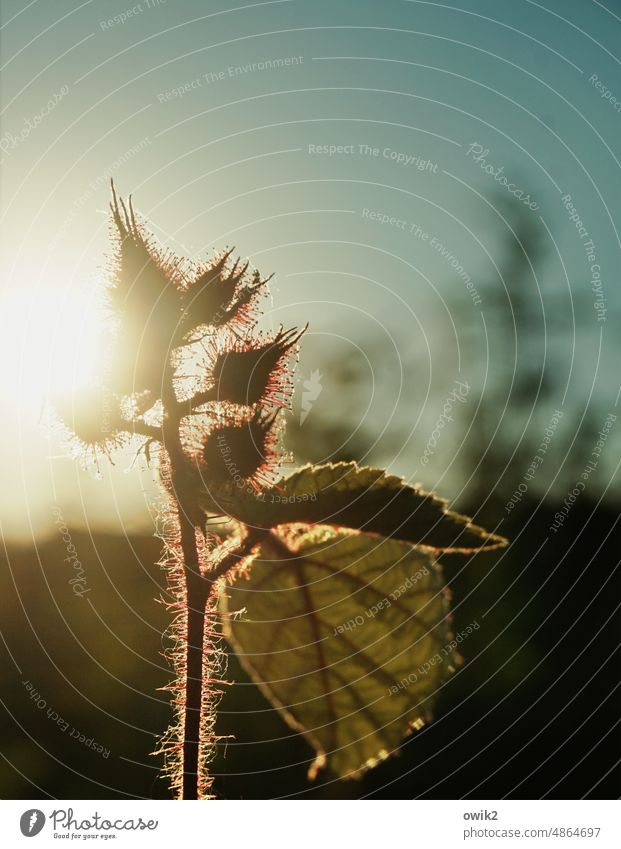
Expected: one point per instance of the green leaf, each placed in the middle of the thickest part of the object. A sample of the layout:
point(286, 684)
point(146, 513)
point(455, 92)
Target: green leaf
point(346, 495)
point(347, 635)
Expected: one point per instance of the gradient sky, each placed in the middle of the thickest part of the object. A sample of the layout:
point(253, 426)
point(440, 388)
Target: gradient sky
point(231, 159)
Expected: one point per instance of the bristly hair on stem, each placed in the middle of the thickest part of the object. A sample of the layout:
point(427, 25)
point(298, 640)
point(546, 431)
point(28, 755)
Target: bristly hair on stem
point(162, 309)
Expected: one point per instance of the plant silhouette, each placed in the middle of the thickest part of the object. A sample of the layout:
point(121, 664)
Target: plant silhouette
point(335, 566)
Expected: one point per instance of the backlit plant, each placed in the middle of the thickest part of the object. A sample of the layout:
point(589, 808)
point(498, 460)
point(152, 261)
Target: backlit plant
point(326, 582)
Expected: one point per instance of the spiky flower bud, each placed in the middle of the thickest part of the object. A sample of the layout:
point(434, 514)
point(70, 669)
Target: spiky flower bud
point(93, 418)
point(241, 452)
point(145, 298)
point(256, 371)
point(220, 295)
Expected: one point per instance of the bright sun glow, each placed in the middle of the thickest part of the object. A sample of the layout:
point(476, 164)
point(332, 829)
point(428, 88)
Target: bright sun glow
point(49, 345)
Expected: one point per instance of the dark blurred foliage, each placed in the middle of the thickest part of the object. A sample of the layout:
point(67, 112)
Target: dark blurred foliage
point(535, 327)
point(532, 712)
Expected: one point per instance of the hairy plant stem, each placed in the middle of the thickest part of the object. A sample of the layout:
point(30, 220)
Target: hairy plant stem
point(197, 591)
point(198, 587)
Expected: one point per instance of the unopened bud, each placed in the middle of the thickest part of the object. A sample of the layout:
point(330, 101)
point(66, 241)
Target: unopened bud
point(242, 451)
point(251, 373)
